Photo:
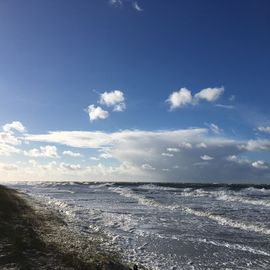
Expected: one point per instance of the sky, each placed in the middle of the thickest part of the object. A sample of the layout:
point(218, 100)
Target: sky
point(125, 90)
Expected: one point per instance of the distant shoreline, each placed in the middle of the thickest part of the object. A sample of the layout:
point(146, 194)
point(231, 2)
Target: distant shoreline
point(28, 240)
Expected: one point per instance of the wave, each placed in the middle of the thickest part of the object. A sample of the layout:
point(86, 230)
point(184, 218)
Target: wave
point(236, 198)
point(156, 187)
point(221, 220)
point(228, 196)
point(235, 247)
point(255, 191)
point(141, 199)
point(57, 205)
point(225, 221)
point(101, 185)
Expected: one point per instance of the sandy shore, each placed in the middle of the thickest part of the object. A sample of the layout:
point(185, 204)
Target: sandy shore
point(33, 237)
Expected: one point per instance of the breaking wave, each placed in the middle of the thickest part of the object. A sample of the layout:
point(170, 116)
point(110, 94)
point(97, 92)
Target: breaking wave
point(221, 220)
point(235, 247)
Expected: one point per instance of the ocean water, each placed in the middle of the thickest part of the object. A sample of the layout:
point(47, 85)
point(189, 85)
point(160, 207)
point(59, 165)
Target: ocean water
point(168, 226)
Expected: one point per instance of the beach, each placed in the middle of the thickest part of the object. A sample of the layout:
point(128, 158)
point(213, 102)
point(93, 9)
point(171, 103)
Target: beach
point(156, 225)
point(36, 238)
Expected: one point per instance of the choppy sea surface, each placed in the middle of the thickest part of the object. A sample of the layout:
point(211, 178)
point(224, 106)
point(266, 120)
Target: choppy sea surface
point(168, 226)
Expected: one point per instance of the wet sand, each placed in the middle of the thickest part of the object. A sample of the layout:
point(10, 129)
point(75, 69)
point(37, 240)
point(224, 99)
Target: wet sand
point(32, 237)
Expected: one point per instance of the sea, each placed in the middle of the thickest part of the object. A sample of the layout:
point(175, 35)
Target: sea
point(167, 226)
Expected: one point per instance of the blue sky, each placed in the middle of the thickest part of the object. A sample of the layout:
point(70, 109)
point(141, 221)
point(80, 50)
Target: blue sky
point(192, 76)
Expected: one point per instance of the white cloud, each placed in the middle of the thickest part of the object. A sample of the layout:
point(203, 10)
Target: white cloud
point(136, 6)
point(15, 125)
point(214, 128)
point(184, 97)
point(257, 145)
point(98, 139)
point(44, 151)
point(7, 150)
point(120, 3)
point(172, 149)
point(206, 157)
point(260, 164)
point(49, 167)
point(148, 167)
point(32, 162)
point(96, 113)
point(225, 106)
point(72, 154)
point(113, 99)
point(201, 145)
point(180, 98)
point(9, 167)
point(105, 155)
point(9, 138)
point(167, 154)
point(70, 167)
point(209, 94)
point(130, 147)
point(116, 3)
point(94, 158)
point(264, 129)
point(238, 159)
point(232, 158)
point(185, 145)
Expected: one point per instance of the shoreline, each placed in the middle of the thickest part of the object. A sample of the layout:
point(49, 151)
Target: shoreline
point(33, 237)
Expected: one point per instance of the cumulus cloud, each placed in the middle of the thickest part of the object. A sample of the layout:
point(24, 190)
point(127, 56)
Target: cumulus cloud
point(185, 145)
point(209, 94)
point(264, 129)
point(179, 98)
point(15, 125)
point(44, 151)
point(96, 113)
point(9, 138)
point(70, 167)
point(238, 159)
point(167, 154)
point(260, 164)
point(201, 145)
point(173, 149)
point(71, 154)
point(184, 97)
point(105, 155)
point(7, 150)
point(113, 99)
point(148, 167)
point(206, 158)
point(256, 145)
